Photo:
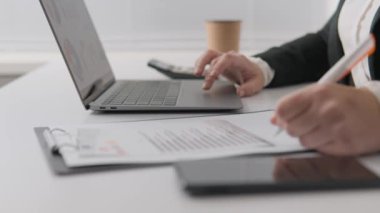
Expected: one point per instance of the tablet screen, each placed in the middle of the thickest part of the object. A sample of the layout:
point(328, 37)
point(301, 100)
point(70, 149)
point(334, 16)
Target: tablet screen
point(274, 173)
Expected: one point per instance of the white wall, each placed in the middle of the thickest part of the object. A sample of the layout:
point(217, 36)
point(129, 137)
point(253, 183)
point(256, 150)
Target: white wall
point(166, 24)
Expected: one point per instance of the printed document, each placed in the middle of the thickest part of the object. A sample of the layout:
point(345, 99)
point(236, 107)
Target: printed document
point(168, 141)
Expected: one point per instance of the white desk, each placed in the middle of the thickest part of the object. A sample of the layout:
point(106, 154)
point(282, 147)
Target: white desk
point(48, 96)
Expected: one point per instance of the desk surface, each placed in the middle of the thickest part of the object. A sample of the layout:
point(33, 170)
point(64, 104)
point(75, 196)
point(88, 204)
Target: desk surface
point(47, 96)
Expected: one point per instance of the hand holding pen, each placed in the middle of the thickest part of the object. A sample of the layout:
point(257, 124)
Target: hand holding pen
point(332, 118)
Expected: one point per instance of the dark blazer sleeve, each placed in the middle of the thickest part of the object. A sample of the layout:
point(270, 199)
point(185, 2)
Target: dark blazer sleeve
point(302, 60)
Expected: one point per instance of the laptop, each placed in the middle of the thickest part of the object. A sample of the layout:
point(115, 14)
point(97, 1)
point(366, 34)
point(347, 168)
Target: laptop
point(95, 82)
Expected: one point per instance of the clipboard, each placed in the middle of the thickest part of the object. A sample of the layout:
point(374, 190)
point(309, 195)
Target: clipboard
point(103, 147)
point(58, 166)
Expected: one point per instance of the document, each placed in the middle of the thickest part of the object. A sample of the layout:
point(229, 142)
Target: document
point(168, 141)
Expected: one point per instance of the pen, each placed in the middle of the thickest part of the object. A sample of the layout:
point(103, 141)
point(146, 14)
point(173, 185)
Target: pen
point(345, 65)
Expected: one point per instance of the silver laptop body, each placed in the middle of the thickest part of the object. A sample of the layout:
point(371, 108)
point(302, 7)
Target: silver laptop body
point(91, 72)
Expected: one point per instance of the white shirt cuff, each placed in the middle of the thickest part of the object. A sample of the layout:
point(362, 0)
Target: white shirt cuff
point(374, 87)
point(267, 71)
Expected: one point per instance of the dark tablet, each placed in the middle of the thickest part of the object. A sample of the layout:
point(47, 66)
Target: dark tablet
point(270, 174)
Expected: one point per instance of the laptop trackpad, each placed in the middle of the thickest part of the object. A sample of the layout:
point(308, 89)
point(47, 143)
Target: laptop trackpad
point(221, 96)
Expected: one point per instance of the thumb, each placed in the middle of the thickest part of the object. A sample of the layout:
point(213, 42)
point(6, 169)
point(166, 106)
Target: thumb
point(250, 87)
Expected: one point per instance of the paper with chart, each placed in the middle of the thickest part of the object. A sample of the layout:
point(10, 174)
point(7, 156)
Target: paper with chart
point(166, 141)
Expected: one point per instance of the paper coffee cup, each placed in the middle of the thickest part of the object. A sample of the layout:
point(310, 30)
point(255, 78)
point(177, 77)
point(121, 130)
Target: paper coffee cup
point(223, 35)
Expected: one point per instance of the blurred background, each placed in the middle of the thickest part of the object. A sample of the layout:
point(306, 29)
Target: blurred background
point(26, 41)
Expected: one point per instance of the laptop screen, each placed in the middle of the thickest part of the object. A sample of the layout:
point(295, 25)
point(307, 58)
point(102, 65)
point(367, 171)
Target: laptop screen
point(80, 46)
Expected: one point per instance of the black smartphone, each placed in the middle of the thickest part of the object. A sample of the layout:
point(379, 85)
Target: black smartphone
point(173, 71)
point(273, 174)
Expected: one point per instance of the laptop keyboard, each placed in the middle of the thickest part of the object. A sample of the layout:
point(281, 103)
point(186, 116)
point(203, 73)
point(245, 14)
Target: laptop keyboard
point(154, 93)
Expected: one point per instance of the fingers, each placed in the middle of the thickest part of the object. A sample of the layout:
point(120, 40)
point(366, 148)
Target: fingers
point(330, 118)
point(204, 60)
point(218, 66)
point(316, 138)
point(250, 87)
point(292, 106)
point(223, 63)
point(317, 125)
point(304, 123)
point(236, 67)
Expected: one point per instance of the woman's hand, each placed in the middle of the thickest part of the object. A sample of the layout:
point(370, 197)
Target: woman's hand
point(332, 119)
point(234, 66)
